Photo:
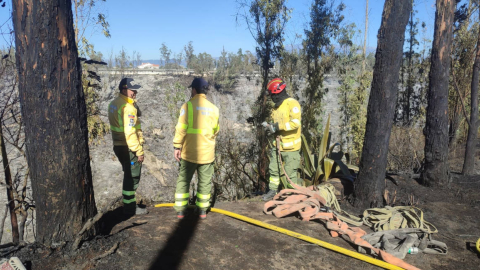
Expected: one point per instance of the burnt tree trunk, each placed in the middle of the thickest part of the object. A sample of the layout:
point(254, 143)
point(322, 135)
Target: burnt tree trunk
point(470, 147)
point(54, 113)
point(9, 182)
point(436, 171)
point(381, 105)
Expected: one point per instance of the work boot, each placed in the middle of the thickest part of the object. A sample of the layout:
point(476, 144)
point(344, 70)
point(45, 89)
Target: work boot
point(133, 212)
point(140, 211)
point(180, 215)
point(202, 214)
point(269, 195)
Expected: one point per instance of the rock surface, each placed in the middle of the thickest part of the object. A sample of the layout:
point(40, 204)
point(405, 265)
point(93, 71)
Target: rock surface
point(160, 99)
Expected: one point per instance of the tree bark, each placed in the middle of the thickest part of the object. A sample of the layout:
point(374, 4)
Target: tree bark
point(9, 182)
point(381, 105)
point(54, 113)
point(470, 147)
point(436, 171)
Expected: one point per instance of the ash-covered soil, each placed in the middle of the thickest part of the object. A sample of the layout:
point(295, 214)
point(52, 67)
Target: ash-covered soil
point(159, 241)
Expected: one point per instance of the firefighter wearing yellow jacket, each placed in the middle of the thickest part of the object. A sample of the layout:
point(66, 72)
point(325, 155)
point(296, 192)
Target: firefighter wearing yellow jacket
point(194, 148)
point(123, 115)
point(286, 117)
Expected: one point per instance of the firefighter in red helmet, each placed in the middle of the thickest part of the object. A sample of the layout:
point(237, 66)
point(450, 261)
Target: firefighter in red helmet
point(285, 123)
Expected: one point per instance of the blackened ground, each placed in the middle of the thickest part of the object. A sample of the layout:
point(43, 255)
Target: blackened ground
point(159, 241)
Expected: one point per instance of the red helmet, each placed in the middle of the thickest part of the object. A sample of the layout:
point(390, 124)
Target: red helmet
point(276, 86)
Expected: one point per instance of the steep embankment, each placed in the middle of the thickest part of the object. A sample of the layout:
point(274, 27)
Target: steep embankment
point(156, 100)
point(159, 99)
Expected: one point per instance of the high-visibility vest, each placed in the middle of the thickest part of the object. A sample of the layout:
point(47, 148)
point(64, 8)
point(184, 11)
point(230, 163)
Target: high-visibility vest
point(125, 125)
point(196, 130)
point(288, 116)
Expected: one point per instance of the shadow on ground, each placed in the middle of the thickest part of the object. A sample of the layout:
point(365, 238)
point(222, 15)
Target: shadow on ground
point(170, 256)
point(111, 219)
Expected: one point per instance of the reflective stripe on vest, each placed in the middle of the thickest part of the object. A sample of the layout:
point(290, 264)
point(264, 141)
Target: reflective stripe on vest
point(287, 127)
point(117, 129)
point(299, 140)
point(120, 121)
point(181, 126)
point(190, 123)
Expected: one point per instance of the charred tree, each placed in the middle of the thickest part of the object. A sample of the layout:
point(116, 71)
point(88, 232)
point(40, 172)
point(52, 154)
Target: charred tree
point(436, 171)
point(470, 147)
point(381, 105)
point(54, 113)
point(266, 21)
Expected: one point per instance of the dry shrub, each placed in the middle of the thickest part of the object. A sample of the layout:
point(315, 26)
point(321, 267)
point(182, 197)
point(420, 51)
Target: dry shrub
point(235, 177)
point(405, 152)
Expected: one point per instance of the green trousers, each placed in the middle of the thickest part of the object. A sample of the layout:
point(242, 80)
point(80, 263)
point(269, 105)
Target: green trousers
point(205, 173)
point(291, 162)
point(132, 170)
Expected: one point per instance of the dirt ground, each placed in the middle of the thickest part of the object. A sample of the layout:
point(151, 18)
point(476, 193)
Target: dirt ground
point(159, 241)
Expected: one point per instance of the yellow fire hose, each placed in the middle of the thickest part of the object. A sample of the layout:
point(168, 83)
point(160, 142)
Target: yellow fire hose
point(478, 245)
point(344, 251)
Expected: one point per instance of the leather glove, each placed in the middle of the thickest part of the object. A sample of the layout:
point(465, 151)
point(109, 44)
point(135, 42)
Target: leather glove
point(270, 128)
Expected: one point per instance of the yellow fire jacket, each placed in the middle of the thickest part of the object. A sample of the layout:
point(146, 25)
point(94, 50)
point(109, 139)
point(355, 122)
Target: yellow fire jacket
point(196, 130)
point(124, 124)
point(288, 116)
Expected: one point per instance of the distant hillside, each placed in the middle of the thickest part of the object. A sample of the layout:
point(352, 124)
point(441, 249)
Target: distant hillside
point(155, 62)
point(160, 63)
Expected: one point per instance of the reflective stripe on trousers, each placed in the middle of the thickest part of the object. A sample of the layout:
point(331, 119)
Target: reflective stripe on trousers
point(203, 200)
point(132, 170)
point(292, 163)
point(181, 199)
point(187, 170)
point(275, 180)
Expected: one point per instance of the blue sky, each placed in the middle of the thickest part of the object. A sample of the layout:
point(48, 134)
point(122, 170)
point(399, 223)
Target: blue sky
point(143, 25)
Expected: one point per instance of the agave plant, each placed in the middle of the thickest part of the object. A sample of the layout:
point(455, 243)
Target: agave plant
point(327, 163)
